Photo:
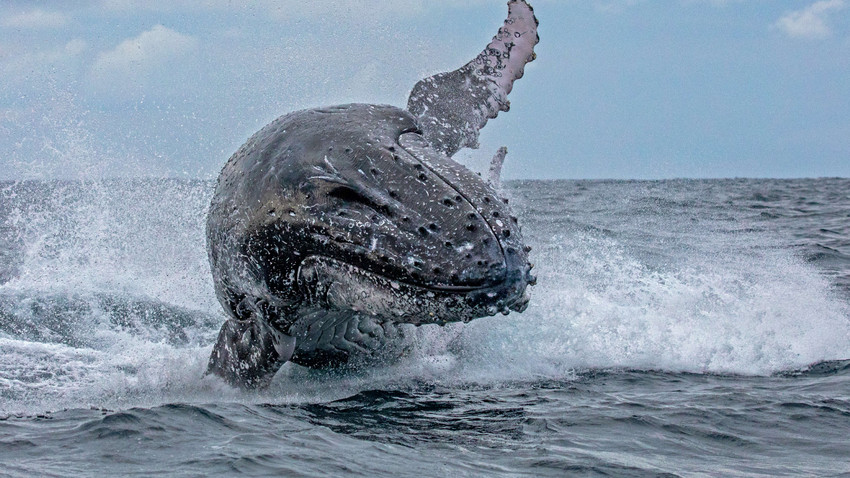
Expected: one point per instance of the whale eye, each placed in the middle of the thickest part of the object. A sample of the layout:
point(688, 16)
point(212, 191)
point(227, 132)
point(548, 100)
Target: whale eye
point(352, 196)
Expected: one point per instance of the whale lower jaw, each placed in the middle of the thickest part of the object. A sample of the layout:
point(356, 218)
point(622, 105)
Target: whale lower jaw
point(336, 285)
point(350, 316)
point(343, 338)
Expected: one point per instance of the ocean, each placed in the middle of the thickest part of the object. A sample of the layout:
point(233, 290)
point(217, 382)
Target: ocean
point(679, 328)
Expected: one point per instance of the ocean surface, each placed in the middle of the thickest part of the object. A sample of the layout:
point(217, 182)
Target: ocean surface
point(683, 327)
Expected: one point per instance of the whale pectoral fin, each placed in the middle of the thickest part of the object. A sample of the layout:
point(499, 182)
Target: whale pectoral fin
point(248, 353)
point(452, 107)
point(495, 175)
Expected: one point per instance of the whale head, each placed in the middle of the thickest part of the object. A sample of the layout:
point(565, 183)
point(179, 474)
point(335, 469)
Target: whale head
point(353, 210)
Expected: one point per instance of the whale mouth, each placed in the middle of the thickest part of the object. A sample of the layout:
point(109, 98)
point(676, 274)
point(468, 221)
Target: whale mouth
point(330, 283)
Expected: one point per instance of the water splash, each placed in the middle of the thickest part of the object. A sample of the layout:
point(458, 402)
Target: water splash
point(110, 302)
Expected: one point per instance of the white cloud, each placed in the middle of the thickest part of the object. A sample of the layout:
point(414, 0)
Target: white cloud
point(810, 22)
point(150, 50)
point(617, 6)
point(75, 47)
point(155, 62)
point(37, 18)
point(17, 68)
point(344, 11)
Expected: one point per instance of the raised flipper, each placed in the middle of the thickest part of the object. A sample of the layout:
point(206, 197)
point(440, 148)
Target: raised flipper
point(248, 353)
point(495, 175)
point(452, 107)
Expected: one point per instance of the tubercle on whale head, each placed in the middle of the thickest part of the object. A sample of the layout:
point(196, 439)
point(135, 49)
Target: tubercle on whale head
point(387, 209)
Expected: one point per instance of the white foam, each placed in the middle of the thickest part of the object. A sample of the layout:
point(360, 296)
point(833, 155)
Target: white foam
point(597, 307)
point(736, 305)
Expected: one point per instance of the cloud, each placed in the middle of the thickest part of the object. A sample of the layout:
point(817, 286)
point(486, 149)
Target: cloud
point(353, 11)
point(33, 60)
point(810, 22)
point(149, 51)
point(343, 11)
point(152, 62)
point(616, 6)
point(37, 18)
point(18, 69)
point(155, 63)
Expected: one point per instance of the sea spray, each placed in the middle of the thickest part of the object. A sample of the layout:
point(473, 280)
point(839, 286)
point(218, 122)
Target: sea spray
point(109, 301)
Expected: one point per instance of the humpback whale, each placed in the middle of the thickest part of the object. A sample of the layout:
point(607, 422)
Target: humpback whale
point(331, 228)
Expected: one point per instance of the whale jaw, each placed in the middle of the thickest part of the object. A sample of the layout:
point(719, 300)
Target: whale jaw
point(333, 284)
point(352, 316)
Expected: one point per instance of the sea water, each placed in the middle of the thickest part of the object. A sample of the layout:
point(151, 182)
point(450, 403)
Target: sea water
point(683, 327)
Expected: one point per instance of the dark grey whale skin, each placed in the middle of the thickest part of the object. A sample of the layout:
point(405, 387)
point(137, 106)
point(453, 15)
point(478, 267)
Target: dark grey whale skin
point(333, 230)
point(353, 185)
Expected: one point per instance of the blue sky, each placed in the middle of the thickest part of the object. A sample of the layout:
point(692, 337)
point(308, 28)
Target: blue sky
point(621, 89)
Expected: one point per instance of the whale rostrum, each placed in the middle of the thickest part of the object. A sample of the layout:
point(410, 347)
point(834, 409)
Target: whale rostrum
point(333, 229)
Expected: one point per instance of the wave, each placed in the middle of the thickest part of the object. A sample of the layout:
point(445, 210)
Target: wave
point(107, 299)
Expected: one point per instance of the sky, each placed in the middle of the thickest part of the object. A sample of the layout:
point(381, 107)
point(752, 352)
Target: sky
point(623, 89)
